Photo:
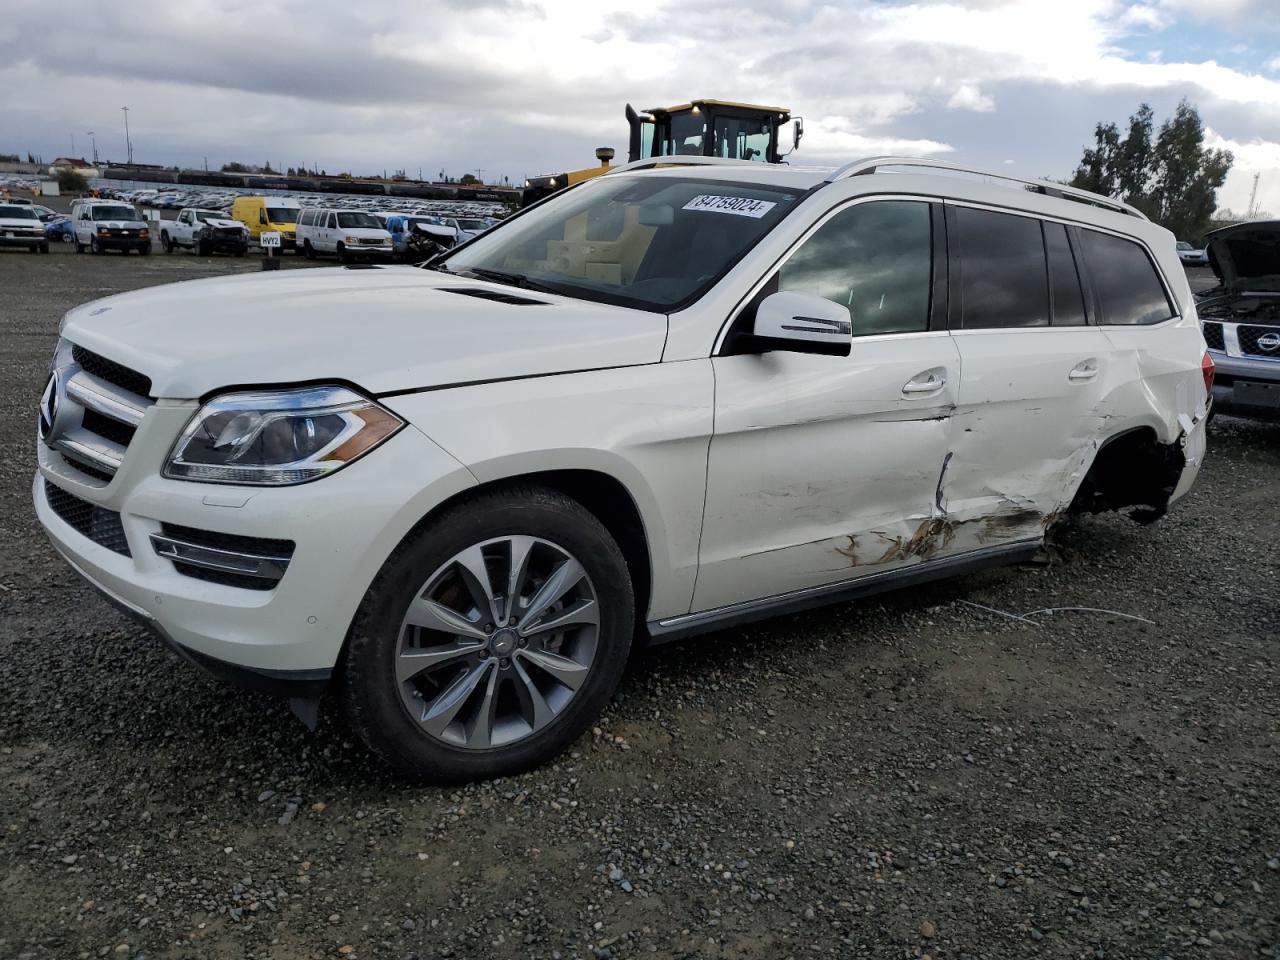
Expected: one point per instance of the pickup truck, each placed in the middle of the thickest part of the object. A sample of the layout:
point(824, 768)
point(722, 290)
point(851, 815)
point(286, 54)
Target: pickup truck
point(205, 231)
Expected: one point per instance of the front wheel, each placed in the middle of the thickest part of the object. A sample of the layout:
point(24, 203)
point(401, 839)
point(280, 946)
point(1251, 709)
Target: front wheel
point(505, 653)
point(94, 246)
point(166, 242)
point(145, 250)
point(44, 247)
point(308, 251)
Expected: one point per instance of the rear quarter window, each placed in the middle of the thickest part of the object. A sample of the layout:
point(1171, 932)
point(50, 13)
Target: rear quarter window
point(1125, 281)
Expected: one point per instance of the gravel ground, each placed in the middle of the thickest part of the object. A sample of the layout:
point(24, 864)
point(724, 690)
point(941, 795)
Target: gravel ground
point(902, 778)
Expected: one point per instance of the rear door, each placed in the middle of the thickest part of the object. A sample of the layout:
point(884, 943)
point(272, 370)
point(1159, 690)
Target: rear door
point(823, 469)
point(1035, 373)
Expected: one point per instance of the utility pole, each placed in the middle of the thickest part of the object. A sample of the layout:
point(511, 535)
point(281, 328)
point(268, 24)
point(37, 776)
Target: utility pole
point(1253, 198)
point(480, 174)
point(128, 144)
point(94, 141)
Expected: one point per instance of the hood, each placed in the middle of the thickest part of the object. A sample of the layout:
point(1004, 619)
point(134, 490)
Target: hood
point(223, 223)
point(120, 224)
point(1246, 256)
point(383, 329)
point(11, 222)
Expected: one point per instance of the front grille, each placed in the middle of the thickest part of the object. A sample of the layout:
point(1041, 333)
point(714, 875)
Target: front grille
point(99, 524)
point(104, 426)
point(230, 233)
point(114, 373)
point(1250, 344)
point(374, 242)
point(1213, 336)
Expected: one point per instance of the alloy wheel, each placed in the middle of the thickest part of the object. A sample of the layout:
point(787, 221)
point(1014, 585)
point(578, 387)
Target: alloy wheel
point(497, 642)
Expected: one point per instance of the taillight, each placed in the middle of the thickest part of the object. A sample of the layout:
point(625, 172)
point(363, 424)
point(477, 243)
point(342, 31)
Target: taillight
point(1207, 368)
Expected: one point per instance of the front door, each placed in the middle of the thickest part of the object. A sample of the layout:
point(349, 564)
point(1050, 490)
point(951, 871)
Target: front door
point(824, 469)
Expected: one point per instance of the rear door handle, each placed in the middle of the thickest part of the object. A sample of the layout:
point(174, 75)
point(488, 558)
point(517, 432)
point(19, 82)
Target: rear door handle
point(927, 381)
point(1084, 370)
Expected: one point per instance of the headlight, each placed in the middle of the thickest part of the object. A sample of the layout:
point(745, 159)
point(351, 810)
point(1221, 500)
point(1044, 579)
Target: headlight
point(351, 239)
point(279, 437)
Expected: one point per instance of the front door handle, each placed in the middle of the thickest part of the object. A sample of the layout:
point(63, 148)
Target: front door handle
point(1084, 370)
point(926, 381)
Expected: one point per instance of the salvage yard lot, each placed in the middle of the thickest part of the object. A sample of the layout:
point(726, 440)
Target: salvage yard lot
point(913, 775)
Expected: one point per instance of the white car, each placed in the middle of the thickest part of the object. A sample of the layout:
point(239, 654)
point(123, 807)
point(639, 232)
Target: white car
point(665, 402)
point(465, 228)
point(205, 232)
point(347, 234)
point(1192, 256)
point(103, 225)
point(20, 226)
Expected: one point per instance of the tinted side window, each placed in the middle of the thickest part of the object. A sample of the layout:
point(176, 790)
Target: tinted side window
point(876, 259)
point(1004, 281)
point(1125, 280)
point(1068, 301)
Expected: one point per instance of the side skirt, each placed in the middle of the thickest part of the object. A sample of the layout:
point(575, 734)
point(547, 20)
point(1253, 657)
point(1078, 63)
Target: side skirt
point(749, 611)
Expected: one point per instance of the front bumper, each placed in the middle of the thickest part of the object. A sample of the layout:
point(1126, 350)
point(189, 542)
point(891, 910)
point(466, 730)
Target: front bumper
point(123, 243)
point(23, 240)
point(1245, 386)
point(344, 527)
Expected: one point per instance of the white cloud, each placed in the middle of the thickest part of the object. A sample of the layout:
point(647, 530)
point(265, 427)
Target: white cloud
point(1252, 157)
point(969, 97)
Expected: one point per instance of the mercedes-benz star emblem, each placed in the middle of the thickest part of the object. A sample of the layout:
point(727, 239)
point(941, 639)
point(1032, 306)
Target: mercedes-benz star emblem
point(49, 405)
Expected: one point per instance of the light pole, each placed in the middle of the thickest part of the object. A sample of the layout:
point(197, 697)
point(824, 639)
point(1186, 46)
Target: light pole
point(128, 144)
point(94, 141)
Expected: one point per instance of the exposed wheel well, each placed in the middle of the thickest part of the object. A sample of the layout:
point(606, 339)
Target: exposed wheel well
point(607, 499)
point(1131, 470)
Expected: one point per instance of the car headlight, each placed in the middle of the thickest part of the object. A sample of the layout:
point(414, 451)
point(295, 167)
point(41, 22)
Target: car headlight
point(351, 239)
point(279, 437)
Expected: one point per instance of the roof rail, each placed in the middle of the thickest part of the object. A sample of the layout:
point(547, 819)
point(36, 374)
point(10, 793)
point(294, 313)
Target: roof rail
point(872, 164)
point(681, 160)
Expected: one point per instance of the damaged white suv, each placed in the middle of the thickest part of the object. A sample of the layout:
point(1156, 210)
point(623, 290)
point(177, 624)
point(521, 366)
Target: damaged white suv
point(664, 402)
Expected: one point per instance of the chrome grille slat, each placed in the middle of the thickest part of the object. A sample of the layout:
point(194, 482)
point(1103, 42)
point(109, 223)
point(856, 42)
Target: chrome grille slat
point(80, 444)
point(88, 391)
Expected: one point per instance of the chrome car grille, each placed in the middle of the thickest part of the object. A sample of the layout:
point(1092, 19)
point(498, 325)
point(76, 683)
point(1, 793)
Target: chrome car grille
point(373, 242)
point(99, 524)
point(90, 412)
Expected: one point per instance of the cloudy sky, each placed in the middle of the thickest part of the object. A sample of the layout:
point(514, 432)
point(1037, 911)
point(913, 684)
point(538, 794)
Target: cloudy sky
point(519, 87)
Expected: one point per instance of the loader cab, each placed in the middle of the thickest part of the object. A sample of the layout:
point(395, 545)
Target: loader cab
point(702, 128)
point(710, 128)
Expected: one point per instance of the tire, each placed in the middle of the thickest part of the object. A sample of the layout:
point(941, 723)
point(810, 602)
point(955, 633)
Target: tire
point(145, 251)
point(94, 248)
point(166, 242)
point(343, 255)
point(204, 248)
point(307, 250)
point(44, 247)
point(241, 252)
point(590, 655)
point(68, 238)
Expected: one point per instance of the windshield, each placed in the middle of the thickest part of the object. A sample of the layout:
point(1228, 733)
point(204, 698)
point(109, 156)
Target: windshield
point(653, 242)
point(21, 213)
point(1183, 245)
point(113, 213)
point(472, 224)
point(282, 214)
point(352, 221)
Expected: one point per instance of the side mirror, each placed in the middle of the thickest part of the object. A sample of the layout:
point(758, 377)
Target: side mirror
point(801, 323)
point(262, 216)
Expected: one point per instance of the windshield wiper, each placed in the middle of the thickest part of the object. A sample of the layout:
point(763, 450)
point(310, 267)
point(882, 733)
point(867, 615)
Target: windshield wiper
point(510, 279)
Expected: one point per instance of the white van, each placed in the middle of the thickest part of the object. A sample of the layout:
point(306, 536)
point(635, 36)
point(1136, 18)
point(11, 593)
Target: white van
point(346, 234)
point(102, 225)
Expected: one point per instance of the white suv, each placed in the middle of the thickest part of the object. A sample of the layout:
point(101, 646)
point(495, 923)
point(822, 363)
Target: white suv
point(347, 234)
point(664, 402)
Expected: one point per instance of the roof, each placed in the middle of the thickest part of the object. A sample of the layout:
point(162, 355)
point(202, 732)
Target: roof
point(718, 103)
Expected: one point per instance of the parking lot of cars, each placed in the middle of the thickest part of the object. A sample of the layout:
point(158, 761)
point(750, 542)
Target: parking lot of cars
point(1075, 757)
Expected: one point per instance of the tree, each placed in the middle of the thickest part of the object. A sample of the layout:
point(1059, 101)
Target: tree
point(234, 167)
point(71, 181)
point(1174, 180)
point(467, 179)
